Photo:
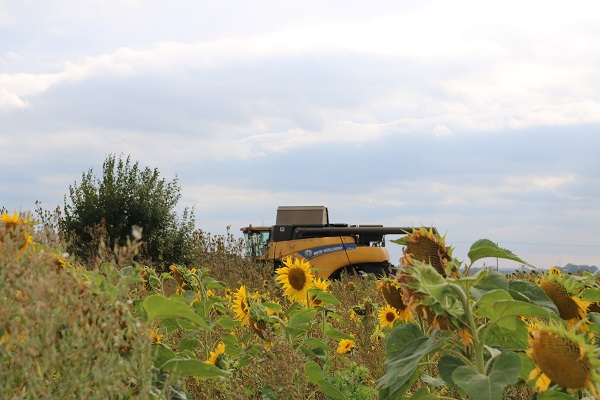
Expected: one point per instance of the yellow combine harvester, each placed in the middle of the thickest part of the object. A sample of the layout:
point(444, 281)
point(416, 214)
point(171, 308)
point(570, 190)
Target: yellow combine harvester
point(332, 249)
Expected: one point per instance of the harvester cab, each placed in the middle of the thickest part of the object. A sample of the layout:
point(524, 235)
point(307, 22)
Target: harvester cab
point(332, 249)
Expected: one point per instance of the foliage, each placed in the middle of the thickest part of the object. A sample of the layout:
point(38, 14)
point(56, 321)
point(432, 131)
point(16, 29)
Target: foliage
point(107, 209)
point(66, 332)
point(225, 327)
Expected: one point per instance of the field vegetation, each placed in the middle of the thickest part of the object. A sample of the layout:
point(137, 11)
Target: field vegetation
point(118, 323)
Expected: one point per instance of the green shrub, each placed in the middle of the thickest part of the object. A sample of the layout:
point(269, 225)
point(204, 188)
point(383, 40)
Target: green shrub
point(107, 209)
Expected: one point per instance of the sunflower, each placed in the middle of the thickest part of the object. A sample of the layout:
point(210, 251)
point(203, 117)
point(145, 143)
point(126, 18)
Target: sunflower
point(345, 346)
point(216, 357)
point(186, 278)
point(564, 291)
point(428, 247)
point(155, 337)
point(429, 295)
point(563, 357)
point(296, 278)
point(13, 224)
point(241, 307)
point(392, 294)
point(387, 316)
point(321, 285)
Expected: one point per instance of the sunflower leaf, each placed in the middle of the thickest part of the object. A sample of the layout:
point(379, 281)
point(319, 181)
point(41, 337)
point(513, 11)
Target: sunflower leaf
point(446, 367)
point(505, 371)
point(423, 394)
point(328, 298)
point(159, 308)
point(405, 347)
point(513, 338)
point(330, 390)
point(590, 295)
point(193, 368)
point(484, 248)
point(313, 372)
point(533, 294)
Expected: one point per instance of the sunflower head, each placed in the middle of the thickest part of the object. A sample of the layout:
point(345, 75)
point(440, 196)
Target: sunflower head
point(563, 357)
point(391, 292)
point(186, 278)
point(428, 295)
point(259, 318)
point(320, 285)
point(387, 317)
point(155, 337)
point(565, 291)
point(241, 306)
point(217, 357)
point(17, 229)
point(427, 247)
point(296, 278)
point(345, 346)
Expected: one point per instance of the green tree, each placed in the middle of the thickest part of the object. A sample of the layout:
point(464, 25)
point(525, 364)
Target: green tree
point(127, 196)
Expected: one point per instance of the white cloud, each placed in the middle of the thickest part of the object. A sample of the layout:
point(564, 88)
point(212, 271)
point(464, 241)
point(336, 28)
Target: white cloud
point(528, 183)
point(10, 100)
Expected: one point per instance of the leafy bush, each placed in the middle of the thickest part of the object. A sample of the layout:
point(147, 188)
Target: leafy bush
point(65, 332)
point(107, 209)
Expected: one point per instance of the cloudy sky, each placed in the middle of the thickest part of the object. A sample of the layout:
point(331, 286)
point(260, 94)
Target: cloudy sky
point(480, 118)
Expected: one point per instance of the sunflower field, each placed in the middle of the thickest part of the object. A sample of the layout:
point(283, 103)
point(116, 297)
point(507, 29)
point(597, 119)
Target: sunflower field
point(228, 328)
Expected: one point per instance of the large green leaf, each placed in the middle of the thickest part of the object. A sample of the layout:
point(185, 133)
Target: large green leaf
point(423, 394)
point(485, 248)
point(328, 298)
point(591, 295)
point(317, 344)
point(301, 317)
point(163, 354)
point(405, 348)
point(330, 390)
point(189, 344)
point(505, 371)
point(159, 307)
point(516, 308)
point(532, 293)
point(193, 368)
point(513, 338)
point(313, 372)
point(485, 306)
point(335, 334)
point(492, 280)
point(227, 323)
point(446, 367)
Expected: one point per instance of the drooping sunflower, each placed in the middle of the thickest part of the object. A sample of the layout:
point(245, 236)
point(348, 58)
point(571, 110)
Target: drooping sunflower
point(562, 356)
point(387, 316)
point(392, 294)
point(428, 247)
point(565, 292)
point(216, 357)
point(296, 278)
point(345, 346)
point(241, 306)
point(186, 278)
point(429, 295)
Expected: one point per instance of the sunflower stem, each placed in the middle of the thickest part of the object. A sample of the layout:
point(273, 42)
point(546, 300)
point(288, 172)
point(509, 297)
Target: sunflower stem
point(463, 295)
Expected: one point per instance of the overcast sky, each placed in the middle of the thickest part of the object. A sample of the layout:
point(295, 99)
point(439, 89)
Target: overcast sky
point(480, 118)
